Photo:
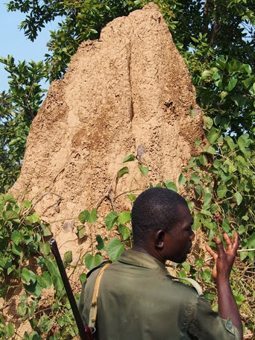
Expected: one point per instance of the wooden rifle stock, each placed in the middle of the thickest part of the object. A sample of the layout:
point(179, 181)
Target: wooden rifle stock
point(84, 330)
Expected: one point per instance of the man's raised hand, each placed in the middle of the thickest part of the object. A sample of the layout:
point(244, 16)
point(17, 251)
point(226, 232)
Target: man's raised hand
point(224, 257)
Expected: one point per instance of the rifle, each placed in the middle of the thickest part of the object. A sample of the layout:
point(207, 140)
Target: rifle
point(84, 330)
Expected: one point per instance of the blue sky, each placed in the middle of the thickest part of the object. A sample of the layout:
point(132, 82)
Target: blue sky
point(14, 42)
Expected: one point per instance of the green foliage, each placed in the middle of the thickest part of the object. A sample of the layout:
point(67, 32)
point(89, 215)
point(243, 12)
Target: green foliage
point(110, 219)
point(123, 171)
point(68, 258)
point(81, 20)
point(7, 329)
point(170, 185)
point(129, 158)
point(26, 265)
point(225, 27)
point(18, 245)
point(230, 84)
point(144, 169)
point(17, 109)
point(24, 85)
point(26, 262)
point(113, 247)
point(84, 217)
point(222, 188)
point(88, 216)
point(92, 261)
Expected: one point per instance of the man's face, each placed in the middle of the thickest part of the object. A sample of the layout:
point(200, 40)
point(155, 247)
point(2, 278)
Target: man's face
point(178, 240)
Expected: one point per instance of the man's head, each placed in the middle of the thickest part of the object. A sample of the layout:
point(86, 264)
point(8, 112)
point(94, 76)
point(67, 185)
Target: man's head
point(161, 223)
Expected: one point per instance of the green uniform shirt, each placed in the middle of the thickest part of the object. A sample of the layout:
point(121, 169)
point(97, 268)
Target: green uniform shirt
point(138, 300)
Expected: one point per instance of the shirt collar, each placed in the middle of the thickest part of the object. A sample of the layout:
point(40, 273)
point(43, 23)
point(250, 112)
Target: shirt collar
point(140, 259)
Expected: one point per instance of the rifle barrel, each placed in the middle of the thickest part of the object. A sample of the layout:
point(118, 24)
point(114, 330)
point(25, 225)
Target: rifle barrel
point(84, 330)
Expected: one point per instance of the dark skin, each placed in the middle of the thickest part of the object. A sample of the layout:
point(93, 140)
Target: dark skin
point(224, 259)
point(175, 244)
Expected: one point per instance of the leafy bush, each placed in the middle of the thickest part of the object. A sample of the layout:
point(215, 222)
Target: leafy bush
point(219, 190)
point(26, 266)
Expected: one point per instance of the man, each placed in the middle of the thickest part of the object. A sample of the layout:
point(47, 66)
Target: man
point(139, 300)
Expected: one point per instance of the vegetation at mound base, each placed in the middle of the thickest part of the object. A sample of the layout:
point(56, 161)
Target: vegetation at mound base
point(28, 270)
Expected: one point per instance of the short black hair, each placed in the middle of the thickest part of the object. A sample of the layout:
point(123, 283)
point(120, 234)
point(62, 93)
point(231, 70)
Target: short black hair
point(154, 209)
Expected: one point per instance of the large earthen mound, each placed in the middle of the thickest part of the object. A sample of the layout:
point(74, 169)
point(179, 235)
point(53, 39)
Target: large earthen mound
point(128, 92)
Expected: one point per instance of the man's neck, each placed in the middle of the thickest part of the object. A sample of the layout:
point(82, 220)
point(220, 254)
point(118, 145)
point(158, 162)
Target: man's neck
point(152, 252)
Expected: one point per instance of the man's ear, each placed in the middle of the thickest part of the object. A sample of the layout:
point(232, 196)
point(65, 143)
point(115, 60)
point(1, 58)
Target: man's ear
point(159, 239)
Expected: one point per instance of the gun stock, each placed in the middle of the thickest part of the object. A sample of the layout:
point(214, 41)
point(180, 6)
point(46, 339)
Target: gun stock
point(84, 331)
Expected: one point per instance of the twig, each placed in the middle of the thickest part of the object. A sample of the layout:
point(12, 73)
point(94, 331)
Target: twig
point(105, 195)
point(5, 306)
point(126, 192)
point(243, 250)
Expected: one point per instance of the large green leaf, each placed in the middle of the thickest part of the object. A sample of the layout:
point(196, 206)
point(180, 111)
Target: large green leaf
point(44, 280)
point(34, 218)
point(129, 158)
point(10, 215)
point(114, 249)
point(221, 191)
point(92, 261)
point(45, 323)
point(251, 241)
point(55, 276)
point(81, 231)
point(124, 217)
point(100, 242)
point(213, 135)
point(124, 231)
point(92, 216)
point(144, 170)
point(27, 276)
point(16, 237)
point(111, 219)
point(238, 197)
point(22, 309)
point(230, 142)
point(243, 142)
point(10, 330)
point(207, 199)
point(123, 171)
point(84, 216)
point(231, 84)
point(68, 257)
point(170, 185)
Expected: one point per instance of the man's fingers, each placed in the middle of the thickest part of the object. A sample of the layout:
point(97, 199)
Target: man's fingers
point(219, 246)
point(228, 241)
point(211, 252)
point(235, 241)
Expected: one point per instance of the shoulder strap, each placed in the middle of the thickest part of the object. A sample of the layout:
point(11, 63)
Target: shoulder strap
point(193, 283)
point(102, 264)
point(93, 307)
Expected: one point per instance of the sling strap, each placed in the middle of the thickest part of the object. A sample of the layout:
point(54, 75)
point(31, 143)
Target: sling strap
point(93, 307)
point(193, 283)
